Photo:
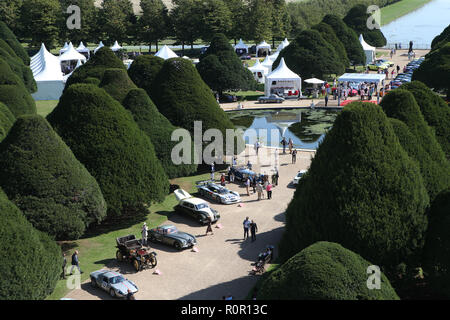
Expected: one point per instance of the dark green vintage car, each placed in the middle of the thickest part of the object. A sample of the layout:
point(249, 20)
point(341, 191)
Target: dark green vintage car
point(170, 235)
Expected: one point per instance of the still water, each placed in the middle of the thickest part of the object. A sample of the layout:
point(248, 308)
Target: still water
point(306, 128)
point(420, 26)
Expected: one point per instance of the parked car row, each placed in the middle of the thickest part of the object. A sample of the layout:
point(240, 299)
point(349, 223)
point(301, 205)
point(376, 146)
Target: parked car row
point(407, 75)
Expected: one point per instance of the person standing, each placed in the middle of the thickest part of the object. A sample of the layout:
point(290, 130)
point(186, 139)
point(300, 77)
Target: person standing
point(291, 144)
point(269, 191)
point(209, 227)
point(64, 266)
point(294, 156)
point(75, 262)
point(247, 185)
point(398, 69)
point(222, 179)
point(253, 230)
point(246, 224)
point(283, 143)
point(326, 100)
point(259, 189)
point(130, 295)
point(234, 161)
point(249, 165)
point(144, 234)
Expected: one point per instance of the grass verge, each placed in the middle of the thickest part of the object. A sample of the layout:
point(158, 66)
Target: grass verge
point(399, 9)
point(44, 107)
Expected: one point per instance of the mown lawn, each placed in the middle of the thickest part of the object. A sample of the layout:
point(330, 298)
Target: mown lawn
point(44, 107)
point(399, 9)
point(96, 251)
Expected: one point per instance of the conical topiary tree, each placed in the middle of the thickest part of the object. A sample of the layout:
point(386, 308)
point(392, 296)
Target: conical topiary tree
point(8, 36)
point(143, 71)
point(309, 55)
point(400, 104)
point(117, 83)
point(357, 18)
point(40, 174)
point(324, 271)
point(441, 39)
point(435, 111)
point(106, 139)
point(13, 92)
point(159, 129)
point(348, 37)
point(17, 66)
point(361, 191)
point(330, 36)
point(6, 121)
point(32, 261)
point(95, 67)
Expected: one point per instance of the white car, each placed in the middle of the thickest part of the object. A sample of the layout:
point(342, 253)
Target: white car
point(197, 208)
point(298, 177)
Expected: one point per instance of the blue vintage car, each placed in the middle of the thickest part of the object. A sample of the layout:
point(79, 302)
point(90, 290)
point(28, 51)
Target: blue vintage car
point(242, 173)
point(112, 282)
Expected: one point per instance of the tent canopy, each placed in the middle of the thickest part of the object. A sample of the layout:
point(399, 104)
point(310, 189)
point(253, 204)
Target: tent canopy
point(241, 45)
point(258, 67)
point(314, 81)
point(72, 54)
point(362, 77)
point(283, 45)
point(368, 50)
point(166, 53)
point(82, 48)
point(267, 63)
point(282, 72)
point(45, 66)
point(364, 44)
point(274, 56)
point(100, 45)
point(263, 45)
point(64, 48)
point(116, 46)
point(282, 79)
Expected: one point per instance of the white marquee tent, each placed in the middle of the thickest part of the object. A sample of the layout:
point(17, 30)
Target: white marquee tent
point(47, 73)
point(72, 55)
point(283, 45)
point(259, 71)
point(368, 50)
point(116, 47)
point(274, 56)
point(100, 45)
point(241, 47)
point(263, 47)
point(83, 50)
point(64, 48)
point(166, 53)
point(267, 63)
point(283, 81)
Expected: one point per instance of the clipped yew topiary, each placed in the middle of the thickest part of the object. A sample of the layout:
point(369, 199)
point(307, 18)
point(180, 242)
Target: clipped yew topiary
point(309, 55)
point(95, 68)
point(106, 139)
point(117, 83)
point(362, 191)
point(159, 129)
point(437, 245)
point(324, 271)
point(8, 36)
point(13, 92)
point(329, 35)
point(6, 121)
point(31, 263)
point(400, 104)
point(357, 19)
point(435, 111)
point(348, 37)
point(441, 39)
point(143, 71)
point(17, 66)
point(40, 174)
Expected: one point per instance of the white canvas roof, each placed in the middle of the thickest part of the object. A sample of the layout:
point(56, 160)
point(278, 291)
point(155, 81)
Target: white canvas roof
point(116, 46)
point(258, 67)
point(362, 77)
point(45, 66)
point(365, 45)
point(82, 47)
point(241, 45)
point(166, 53)
point(64, 48)
point(283, 45)
point(267, 63)
point(71, 54)
point(282, 72)
point(100, 45)
point(274, 56)
point(314, 81)
point(263, 44)
point(286, 42)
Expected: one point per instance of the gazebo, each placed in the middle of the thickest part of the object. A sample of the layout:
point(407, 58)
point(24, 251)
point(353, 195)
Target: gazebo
point(259, 71)
point(241, 48)
point(116, 47)
point(47, 73)
point(283, 45)
point(283, 81)
point(368, 50)
point(267, 63)
point(166, 53)
point(357, 78)
point(274, 56)
point(100, 45)
point(70, 58)
point(64, 48)
point(263, 49)
point(83, 50)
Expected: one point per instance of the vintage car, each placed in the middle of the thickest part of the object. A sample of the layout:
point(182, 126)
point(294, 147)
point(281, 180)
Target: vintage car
point(298, 177)
point(218, 193)
point(386, 62)
point(377, 65)
point(170, 235)
point(130, 249)
point(113, 283)
point(196, 208)
point(273, 98)
point(242, 173)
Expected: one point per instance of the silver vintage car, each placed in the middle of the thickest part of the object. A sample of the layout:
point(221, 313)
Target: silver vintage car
point(215, 192)
point(113, 283)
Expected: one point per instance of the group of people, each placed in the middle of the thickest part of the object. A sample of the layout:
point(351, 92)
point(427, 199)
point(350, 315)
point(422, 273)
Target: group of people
point(75, 264)
point(250, 226)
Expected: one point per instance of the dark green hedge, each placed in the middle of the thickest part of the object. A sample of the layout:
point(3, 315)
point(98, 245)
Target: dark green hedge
point(40, 174)
point(159, 129)
point(324, 271)
point(143, 71)
point(441, 39)
point(327, 32)
point(348, 37)
point(117, 83)
point(6, 121)
point(31, 262)
point(435, 111)
point(435, 169)
point(9, 37)
point(13, 92)
point(362, 191)
point(106, 139)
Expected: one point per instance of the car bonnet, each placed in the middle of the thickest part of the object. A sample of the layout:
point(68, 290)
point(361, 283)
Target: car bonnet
point(124, 286)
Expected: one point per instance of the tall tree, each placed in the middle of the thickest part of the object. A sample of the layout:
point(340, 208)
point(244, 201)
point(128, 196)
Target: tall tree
point(281, 20)
point(239, 26)
point(116, 18)
point(41, 20)
point(154, 24)
point(216, 17)
point(187, 20)
point(10, 14)
point(261, 20)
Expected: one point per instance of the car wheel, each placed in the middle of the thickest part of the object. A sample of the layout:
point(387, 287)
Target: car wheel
point(136, 265)
point(112, 293)
point(153, 261)
point(119, 255)
point(152, 239)
point(177, 246)
point(93, 283)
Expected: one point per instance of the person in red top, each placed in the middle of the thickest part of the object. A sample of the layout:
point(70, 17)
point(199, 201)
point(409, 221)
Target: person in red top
point(269, 191)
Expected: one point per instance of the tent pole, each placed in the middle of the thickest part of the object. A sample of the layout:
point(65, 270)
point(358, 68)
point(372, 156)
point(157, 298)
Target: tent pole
point(339, 93)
